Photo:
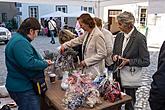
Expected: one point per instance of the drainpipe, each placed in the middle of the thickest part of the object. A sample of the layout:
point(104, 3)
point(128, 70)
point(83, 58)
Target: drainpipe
point(98, 6)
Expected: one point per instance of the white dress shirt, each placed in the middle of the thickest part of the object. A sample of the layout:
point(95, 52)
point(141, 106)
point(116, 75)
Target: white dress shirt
point(126, 39)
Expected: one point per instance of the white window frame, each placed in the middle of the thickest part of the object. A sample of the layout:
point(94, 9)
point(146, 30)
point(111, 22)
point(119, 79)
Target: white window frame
point(33, 11)
point(87, 9)
point(143, 16)
point(61, 7)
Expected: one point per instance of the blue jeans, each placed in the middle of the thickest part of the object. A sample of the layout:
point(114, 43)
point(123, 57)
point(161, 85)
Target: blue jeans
point(27, 100)
point(52, 36)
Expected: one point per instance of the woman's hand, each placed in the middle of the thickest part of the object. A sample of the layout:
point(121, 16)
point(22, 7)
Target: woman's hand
point(49, 62)
point(62, 49)
point(82, 64)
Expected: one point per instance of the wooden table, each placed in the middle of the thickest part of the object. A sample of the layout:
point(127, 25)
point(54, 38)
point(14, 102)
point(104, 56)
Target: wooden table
point(55, 95)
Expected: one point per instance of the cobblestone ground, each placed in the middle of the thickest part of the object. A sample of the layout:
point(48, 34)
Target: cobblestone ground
point(143, 92)
point(43, 43)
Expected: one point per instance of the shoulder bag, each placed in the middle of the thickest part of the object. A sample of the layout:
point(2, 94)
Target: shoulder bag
point(55, 28)
point(131, 76)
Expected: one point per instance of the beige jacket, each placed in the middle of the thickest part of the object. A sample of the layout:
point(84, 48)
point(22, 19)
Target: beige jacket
point(94, 52)
point(109, 45)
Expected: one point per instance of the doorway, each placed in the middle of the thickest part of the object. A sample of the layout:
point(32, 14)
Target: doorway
point(112, 24)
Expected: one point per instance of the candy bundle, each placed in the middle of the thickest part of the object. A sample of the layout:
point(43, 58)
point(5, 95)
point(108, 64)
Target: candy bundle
point(81, 92)
point(113, 92)
point(109, 89)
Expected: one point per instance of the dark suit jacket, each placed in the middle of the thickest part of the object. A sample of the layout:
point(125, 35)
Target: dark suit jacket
point(158, 84)
point(136, 49)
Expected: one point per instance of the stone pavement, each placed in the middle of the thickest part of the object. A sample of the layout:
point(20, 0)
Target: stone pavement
point(143, 92)
point(43, 43)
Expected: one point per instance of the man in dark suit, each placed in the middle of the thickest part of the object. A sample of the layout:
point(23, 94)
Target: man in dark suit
point(130, 48)
point(157, 92)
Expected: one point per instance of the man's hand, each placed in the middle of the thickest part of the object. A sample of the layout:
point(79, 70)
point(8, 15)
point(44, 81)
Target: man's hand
point(125, 61)
point(115, 57)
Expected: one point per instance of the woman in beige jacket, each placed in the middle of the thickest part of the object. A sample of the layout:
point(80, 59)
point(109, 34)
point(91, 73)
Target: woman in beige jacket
point(93, 46)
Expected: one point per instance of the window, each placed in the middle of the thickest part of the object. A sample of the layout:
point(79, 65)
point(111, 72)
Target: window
point(85, 9)
point(4, 17)
point(114, 12)
point(88, 9)
point(18, 4)
point(33, 11)
point(62, 8)
point(143, 16)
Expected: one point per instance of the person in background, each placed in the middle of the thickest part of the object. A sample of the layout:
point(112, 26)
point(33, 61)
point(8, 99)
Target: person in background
point(53, 29)
point(66, 27)
point(157, 91)
point(108, 41)
point(78, 29)
point(22, 58)
point(130, 47)
point(93, 46)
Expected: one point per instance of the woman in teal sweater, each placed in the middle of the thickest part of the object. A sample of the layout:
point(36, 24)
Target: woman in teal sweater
point(19, 53)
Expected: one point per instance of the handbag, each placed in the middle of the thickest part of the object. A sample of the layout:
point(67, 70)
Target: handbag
point(39, 85)
point(131, 76)
point(5, 107)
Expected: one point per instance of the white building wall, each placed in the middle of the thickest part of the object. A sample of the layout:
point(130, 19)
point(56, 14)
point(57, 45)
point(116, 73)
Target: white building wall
point(50, 7)
point(156, 22)
point(44, 9)
point(155, 18)
point(73, 8)
point(133, 8)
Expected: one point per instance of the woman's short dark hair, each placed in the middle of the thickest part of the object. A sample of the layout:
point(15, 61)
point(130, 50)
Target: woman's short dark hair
point(27, 24)
point(87, 19)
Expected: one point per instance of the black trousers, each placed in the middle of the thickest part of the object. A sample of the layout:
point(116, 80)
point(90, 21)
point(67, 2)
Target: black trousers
point(156, 101)
point(131, 92)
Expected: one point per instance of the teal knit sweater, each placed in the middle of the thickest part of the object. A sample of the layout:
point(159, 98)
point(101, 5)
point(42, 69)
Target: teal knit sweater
point(20, 52)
